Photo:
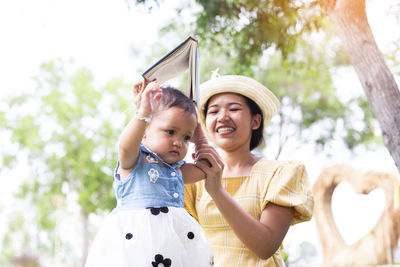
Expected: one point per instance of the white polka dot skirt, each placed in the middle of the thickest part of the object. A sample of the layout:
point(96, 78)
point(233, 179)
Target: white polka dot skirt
point(159, 236)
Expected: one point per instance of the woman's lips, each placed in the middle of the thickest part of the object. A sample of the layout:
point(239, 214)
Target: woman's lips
point(225, 130)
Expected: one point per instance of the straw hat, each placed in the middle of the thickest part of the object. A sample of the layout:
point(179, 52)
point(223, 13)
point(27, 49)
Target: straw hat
point(242, 85)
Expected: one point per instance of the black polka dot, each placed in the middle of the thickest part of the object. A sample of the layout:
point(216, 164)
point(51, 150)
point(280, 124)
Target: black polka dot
point(159, 259)
point(128, 236)
point(190, 235)
point(155, 211)
point(164, 209)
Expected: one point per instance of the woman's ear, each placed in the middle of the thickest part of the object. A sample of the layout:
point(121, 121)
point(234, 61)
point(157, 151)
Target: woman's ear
point(256, 121)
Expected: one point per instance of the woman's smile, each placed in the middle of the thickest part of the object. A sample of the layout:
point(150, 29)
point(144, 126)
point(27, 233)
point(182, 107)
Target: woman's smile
point(223, 131)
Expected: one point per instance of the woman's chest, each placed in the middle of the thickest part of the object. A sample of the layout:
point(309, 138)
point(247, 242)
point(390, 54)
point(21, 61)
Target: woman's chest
point(244, 190)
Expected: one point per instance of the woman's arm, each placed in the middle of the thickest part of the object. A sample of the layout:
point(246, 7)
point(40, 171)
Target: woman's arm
point(263, 236)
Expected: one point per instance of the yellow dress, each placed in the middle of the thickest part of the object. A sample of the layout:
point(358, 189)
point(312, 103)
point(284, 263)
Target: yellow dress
point(282, 183)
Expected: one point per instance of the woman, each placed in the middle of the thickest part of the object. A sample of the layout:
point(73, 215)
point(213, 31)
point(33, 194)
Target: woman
point(247, 202)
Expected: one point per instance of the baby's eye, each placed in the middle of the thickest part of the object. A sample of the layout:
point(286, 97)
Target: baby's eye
point(187, 138)
point(170, 132)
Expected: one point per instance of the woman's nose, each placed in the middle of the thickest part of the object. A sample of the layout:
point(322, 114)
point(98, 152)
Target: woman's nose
point(222, 115)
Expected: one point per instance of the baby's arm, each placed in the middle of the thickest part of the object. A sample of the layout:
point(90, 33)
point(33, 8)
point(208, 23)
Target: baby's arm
point(191, 172)
point(131, 137)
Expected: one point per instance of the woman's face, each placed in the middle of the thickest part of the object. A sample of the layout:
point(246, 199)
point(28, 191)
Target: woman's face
point(229, 121)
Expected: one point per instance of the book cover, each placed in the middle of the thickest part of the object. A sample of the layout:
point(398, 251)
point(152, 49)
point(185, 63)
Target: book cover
point(184, 57)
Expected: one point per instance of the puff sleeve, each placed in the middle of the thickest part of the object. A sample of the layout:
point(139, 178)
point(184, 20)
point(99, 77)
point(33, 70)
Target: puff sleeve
point(289, 186)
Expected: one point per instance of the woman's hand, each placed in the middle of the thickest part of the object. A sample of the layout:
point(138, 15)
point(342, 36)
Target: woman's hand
point(208, 160)
point(198, 137)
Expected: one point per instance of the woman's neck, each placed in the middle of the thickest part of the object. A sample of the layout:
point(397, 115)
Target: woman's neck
point(238, 163)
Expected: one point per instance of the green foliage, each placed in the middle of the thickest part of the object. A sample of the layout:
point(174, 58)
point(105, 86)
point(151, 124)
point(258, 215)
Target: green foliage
point(67, 129)
point(364, 132)
point(309, 101)
point(303, 84)
point(236, 40)
point(16, 222)
point(253, 26)
point(284, 255)
point(245, 29)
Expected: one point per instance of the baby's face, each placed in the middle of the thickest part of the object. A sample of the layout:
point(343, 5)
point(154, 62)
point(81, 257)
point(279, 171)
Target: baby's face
point(169, 132)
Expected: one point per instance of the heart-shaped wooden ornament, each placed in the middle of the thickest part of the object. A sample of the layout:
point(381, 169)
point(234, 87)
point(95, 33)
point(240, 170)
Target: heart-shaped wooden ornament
point(356, 214)
point(374, 248)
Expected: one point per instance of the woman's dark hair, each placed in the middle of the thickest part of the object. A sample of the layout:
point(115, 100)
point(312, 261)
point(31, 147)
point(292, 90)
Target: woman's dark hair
point(172, 97)
point(258, 135)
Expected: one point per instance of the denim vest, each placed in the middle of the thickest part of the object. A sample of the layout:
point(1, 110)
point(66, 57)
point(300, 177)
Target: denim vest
point(149, 184)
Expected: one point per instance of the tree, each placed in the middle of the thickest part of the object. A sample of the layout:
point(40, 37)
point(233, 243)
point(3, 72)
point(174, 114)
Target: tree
point(68, 129)
point(246, 30)
point(311, 111)
point(377, 81)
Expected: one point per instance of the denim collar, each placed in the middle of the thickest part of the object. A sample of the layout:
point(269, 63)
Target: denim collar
point(173, 165)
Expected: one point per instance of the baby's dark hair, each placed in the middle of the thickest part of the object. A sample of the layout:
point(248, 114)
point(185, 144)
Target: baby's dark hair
point(172, 97)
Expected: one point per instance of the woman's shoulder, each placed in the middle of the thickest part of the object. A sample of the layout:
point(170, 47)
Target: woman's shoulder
point(272, 165)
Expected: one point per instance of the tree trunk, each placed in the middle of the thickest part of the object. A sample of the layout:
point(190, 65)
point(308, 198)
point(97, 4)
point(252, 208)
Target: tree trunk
point(350, 19)
point(85, 232)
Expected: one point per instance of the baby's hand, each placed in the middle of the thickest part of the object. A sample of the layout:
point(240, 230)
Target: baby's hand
point(146, 97)
point(137, 87)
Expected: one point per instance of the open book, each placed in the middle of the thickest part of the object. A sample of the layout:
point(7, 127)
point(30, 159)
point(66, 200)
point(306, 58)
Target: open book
point(184, 57)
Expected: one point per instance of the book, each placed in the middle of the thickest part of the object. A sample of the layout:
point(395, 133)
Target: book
point(184, 57)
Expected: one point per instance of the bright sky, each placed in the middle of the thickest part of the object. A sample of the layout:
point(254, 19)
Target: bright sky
point(98, 34)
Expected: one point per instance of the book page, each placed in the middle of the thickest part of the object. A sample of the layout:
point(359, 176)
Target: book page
point(172, 66)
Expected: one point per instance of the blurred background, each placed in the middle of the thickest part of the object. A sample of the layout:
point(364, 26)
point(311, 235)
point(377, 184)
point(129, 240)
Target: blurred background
point(66, 70)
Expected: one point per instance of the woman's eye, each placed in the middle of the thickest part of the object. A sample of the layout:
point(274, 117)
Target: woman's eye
point(212, 112)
